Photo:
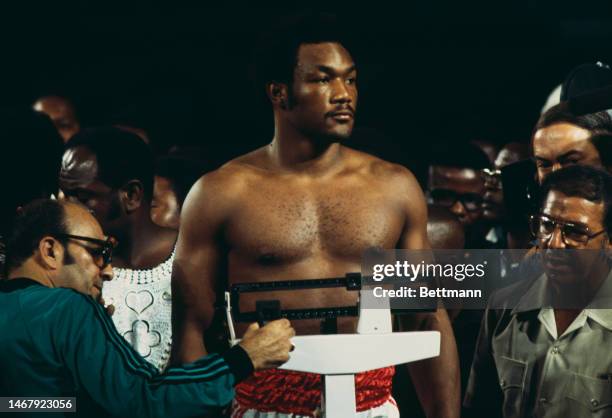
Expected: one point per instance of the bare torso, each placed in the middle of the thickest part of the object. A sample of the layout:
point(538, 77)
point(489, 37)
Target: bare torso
point(253, 221)
point(297, 226)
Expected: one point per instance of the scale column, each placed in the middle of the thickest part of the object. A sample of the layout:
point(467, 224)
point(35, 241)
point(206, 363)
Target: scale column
point(339, 390)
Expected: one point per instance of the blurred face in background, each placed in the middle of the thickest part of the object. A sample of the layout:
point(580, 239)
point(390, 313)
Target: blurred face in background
point(62, 114)
point(493, 198)
point(561, 145)
point(78, 181)
point(458, 189)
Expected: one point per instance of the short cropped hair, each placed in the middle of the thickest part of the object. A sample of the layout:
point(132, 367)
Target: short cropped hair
point(121, 155)
point(583, 181)
point(277, 53)
point(602, 141)
point(597, 122)
point(40, 218)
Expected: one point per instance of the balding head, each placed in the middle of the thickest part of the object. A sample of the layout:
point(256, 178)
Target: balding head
point(62, 113)
point(59, 244)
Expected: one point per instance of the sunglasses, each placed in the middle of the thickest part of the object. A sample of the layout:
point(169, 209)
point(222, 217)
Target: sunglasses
point(102, 254)
point(574, 235)
point(447, 198)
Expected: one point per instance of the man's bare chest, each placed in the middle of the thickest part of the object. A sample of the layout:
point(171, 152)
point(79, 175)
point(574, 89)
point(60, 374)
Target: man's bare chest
point(287, 224)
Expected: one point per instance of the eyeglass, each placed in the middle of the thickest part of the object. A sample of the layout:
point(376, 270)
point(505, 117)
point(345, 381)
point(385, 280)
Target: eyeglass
point(492, 178)
point(572, 234)
point(102, 255)
point(444, 197)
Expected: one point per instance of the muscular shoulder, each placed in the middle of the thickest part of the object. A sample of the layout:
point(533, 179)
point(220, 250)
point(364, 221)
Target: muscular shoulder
point(224, 187)
point(396, 177)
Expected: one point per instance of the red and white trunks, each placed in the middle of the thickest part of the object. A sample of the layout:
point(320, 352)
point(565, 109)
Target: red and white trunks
point(277, 393)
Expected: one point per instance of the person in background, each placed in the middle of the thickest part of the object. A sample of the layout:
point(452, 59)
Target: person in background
point(455, 182)
point(62, 112)
point(110, 171)
point(494, 211)
point(444, 230)
point(530, 358)
point(562, 138)
point(175, 173)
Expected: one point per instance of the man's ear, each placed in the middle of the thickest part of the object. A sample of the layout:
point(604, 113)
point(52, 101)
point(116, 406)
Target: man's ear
point(132, 195)
point(50, 253)
point(278, 94)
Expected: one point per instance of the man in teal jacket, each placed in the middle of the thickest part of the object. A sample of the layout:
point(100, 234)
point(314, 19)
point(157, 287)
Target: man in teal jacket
point(57, 340)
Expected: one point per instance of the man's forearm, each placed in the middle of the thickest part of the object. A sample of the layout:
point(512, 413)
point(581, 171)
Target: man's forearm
point(436, 380)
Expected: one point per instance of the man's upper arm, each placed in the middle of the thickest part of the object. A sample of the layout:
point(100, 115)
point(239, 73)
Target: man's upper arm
point(196, 268)
point(102, 364)
point(414, 235)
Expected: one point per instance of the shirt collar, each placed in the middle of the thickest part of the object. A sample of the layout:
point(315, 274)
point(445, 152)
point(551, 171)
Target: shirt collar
point(599, 310)
point(534, 298)
point(9, 285)
point(602, 316)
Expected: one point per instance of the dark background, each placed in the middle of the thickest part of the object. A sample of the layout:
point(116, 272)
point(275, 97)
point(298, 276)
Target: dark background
point(428, 71)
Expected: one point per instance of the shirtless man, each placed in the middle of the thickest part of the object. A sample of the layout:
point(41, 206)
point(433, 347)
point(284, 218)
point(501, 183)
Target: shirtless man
point(304, 206)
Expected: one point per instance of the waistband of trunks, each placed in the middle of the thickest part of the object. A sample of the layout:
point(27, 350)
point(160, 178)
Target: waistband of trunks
point(289, 392)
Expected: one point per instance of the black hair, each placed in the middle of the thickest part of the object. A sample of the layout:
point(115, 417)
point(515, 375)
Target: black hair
point(458, 154)
point(29, 162)
point(602, 141)
point(583, 181)
point(276, 55)
point(37, 219)
point(593, 122)
point(121, 156)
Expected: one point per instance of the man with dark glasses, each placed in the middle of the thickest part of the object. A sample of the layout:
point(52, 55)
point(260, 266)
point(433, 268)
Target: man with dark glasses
point(60, 343)
point(544, 344)
point(455, 182)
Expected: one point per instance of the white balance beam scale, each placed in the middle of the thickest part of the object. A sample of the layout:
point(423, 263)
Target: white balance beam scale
point(340, 357)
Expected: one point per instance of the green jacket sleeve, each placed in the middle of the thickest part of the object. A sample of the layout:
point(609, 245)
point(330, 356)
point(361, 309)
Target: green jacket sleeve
point(104, 365)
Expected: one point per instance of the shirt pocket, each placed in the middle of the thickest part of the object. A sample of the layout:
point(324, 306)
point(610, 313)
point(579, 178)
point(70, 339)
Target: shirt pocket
point(511, 375)
point(589, 397)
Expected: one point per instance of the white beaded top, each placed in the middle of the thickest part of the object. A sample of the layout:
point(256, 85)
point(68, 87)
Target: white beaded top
point(143, 309)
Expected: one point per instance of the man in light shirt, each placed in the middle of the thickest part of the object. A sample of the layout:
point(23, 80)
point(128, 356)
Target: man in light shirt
point(544, 344)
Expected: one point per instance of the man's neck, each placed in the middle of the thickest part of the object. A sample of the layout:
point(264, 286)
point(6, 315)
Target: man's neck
point(580, 294)
point(291, 150)
point(139, 245)
point(29, 270)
